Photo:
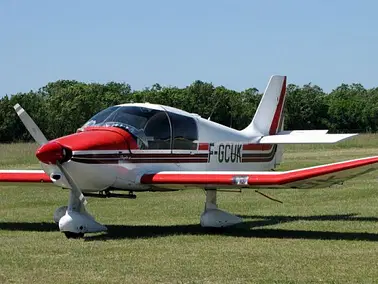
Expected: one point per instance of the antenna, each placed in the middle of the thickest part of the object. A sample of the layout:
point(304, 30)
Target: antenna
point(209, 118)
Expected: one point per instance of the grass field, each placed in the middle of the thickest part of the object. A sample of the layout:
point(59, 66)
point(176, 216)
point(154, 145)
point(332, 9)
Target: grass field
point(323, 235)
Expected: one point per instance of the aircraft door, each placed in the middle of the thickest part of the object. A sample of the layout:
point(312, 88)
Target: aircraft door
point(158, 132)
point(184, 132)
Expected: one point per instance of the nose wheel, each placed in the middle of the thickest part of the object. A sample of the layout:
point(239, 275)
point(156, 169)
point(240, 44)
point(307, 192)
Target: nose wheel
point(71, 235)
point(77, 220)
point(73, 220)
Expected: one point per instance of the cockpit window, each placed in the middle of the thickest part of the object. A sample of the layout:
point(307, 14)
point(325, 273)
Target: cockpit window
point(185, 132)
point(101, 116)
point(151, 127)
point(159, 128)
point(132, 116)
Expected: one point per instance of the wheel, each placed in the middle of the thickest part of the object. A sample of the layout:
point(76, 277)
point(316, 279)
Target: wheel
point(71, 235)
point(59, 213)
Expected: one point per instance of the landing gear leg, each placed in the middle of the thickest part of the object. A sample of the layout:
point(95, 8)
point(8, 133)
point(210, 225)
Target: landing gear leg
point(214, 217)
point(77, 221)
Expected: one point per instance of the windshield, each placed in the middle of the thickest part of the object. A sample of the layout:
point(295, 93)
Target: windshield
point(130, 118)
point(100, 117)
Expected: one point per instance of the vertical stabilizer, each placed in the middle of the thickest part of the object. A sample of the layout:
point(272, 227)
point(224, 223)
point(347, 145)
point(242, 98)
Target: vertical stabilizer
point(268, 116)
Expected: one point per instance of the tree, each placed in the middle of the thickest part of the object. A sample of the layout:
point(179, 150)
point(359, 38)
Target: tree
point(347, 108)
point(60, 107)
point(306, 108)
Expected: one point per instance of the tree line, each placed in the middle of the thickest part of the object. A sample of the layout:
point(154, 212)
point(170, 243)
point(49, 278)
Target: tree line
point(60, 107)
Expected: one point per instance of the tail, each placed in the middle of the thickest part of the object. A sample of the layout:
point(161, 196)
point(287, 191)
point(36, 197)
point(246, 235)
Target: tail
point(268, 116)
point(267, 124)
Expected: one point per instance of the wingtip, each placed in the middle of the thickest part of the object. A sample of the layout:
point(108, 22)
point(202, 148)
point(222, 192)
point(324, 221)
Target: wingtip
point(351, 135)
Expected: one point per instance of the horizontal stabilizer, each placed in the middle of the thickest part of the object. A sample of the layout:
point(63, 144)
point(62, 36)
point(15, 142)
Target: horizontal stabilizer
point(296, 132)
point(304, 138)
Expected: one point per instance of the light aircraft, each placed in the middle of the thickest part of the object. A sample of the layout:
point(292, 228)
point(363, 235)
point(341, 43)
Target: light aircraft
point(147, 147)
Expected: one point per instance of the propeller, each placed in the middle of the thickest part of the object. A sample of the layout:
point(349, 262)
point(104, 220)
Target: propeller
point(30, 125)
point(74, 187)
point(40, 138)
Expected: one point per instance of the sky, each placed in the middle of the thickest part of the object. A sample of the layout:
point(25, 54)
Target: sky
point(237, 44)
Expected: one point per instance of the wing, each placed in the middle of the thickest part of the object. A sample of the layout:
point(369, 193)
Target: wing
point(319, 176)
point(24, 176)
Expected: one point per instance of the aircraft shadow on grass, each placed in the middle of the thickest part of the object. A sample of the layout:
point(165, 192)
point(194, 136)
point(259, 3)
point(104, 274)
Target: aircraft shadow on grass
point(248, 229)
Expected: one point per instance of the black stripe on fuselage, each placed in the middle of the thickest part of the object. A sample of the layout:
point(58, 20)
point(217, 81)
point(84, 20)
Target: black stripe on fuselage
point(115, 158)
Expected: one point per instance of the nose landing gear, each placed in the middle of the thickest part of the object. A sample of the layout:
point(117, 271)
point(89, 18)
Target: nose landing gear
point(70, 235)
point(76, 221)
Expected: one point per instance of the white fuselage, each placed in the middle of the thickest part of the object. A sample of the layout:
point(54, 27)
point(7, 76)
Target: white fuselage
point(218, 148)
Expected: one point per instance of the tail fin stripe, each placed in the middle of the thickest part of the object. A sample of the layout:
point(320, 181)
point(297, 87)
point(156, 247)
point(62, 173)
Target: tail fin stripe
point(277, 114)
point(268, 115)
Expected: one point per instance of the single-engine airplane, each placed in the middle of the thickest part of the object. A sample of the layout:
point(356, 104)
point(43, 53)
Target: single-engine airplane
point(147, 147)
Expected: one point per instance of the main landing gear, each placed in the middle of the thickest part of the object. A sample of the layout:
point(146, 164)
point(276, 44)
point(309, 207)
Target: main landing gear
point(74, 221)
point(213, 217)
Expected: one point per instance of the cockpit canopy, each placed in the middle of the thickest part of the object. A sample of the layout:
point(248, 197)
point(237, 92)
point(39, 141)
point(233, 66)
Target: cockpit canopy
point(152, 128)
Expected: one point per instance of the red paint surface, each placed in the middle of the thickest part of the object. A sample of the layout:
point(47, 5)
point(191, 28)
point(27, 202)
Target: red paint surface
point(254, 179)
point(257, 147)
point(22, 177)
point(99, 138)
point(50, 153)
point(203, 146)
point(277, 114)
point(92, 138)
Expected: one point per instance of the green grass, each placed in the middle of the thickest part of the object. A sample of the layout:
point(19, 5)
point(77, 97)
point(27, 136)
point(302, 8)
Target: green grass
point(323, 235)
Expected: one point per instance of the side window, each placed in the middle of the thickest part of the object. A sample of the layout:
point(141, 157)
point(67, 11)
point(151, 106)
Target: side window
point(158, 131)
point(184, 132)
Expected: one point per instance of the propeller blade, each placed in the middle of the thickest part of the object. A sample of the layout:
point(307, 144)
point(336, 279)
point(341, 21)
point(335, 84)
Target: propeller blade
point(38, 136)
point(75, 189)
point(30, 125)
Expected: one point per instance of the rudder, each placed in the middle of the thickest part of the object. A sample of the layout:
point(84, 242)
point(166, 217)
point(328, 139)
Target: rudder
point(268, 117)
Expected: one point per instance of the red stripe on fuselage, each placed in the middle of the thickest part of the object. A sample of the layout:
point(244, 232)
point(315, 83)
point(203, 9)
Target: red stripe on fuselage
point(203, 146)
point(257, 147)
